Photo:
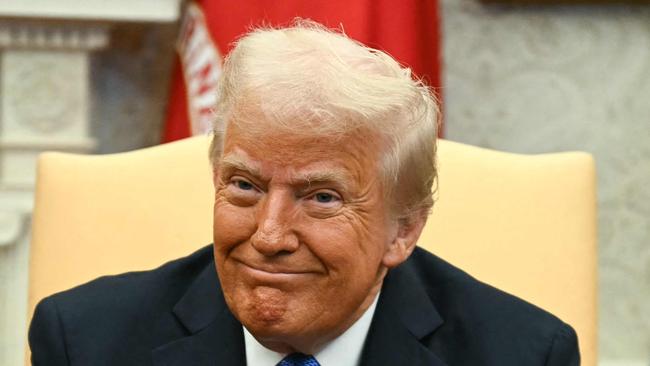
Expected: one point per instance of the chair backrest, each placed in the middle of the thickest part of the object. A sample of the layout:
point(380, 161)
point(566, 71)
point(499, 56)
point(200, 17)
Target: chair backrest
point(525, 224)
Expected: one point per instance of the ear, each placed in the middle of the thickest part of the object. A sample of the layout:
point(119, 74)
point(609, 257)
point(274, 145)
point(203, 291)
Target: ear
point(402, 245)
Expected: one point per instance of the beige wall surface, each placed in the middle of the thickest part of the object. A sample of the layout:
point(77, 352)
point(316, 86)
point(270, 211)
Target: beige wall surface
point(556, 78)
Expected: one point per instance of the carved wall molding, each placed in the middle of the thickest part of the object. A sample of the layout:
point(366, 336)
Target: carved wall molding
point(141, 11)
point(44, 103)
point(48, 82)
point(22, 34)
point(39, 87)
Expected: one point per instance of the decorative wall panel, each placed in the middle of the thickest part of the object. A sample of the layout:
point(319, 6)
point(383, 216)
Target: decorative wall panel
point(60, 90)
point(544, 79)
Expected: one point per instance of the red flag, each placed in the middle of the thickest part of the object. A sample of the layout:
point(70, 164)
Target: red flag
point(408, 30)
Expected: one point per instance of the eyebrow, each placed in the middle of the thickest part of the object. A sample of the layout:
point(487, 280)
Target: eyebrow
point(232, 162)
point(331, 176)
point(337, 177)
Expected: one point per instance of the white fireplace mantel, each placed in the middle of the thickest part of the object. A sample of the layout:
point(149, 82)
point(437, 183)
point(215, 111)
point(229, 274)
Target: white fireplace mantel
point(45, 99)
point(103, 10)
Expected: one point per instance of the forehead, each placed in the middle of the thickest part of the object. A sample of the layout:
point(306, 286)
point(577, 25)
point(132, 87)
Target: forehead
point(357, 153)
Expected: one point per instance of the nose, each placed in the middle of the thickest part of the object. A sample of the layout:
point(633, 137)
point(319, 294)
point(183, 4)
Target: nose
point(274, 234)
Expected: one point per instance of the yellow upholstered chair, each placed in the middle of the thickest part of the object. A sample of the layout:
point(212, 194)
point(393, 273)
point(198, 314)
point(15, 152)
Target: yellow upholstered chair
point(525, 224)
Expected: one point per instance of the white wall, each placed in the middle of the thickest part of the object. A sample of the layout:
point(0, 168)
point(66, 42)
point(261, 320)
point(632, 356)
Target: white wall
point(121, 94)
point(554, 78)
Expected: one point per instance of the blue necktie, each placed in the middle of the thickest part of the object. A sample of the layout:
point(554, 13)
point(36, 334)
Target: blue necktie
point(298, 359)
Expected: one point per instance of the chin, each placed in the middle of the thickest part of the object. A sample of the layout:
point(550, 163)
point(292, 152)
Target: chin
point(274, 330)
point(263, 309)
point(282, 335)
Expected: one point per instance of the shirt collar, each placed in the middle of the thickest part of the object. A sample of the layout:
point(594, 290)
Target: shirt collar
point(345, 350)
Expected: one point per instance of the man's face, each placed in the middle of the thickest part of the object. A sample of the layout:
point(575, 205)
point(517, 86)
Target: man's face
point(301, 234)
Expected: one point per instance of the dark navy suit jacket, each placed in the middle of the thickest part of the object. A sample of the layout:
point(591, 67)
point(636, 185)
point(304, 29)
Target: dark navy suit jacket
point(429, 313)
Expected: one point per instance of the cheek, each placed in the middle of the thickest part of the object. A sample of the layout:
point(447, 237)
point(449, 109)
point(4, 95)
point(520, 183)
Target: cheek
point(347, 249)
point(232, 225)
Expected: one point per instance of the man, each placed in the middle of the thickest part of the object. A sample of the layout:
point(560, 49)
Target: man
point(324, 162)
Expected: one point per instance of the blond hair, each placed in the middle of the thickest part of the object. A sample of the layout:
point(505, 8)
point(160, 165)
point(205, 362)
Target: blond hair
point(307, 79)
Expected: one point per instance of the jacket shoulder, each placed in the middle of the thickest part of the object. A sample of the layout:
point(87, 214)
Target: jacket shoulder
point(502, 328)
point(137, 289)
point(128, 313)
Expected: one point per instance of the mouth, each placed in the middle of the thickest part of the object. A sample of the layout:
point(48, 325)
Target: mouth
point(272, 273)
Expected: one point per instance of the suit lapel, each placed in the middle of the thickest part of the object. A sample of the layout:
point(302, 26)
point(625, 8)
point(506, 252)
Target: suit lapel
point(216, 337)
point(404, 316)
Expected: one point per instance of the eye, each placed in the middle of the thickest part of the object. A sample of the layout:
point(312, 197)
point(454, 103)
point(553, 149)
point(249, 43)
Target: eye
point(323, 203)
point(240, 185)
point(324, 197)
point(241, 192)
point(243, 185)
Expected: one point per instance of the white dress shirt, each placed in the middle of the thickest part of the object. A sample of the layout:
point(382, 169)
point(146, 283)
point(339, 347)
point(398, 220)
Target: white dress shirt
point(345, 350)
